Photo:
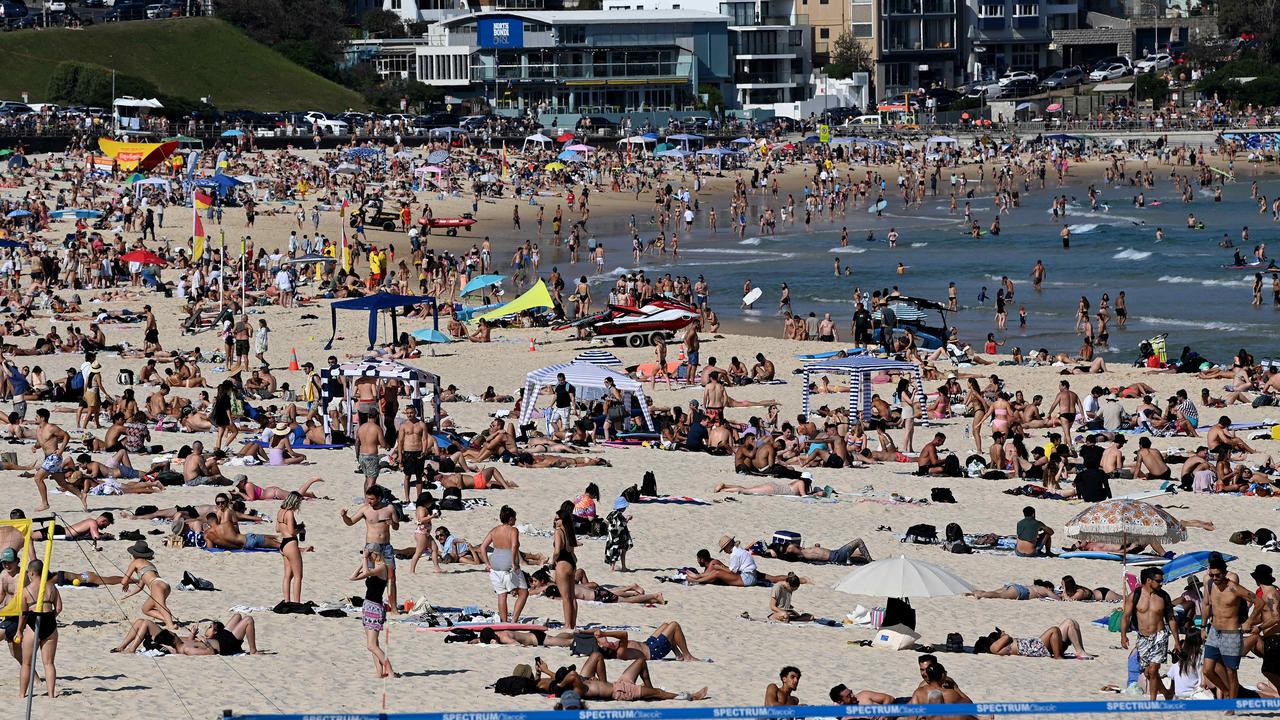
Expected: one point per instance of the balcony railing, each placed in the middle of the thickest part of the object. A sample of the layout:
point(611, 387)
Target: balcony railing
point(678, 69)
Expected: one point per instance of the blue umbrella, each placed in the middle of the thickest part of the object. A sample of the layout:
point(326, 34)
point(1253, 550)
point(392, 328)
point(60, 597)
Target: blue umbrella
point(1189, 564)
point(482, 281)
point(18, 214)
point(650, 136)
point(438, 156)
point(569, 156)
point(12, 244)
point(430, 335)
point(232, 133)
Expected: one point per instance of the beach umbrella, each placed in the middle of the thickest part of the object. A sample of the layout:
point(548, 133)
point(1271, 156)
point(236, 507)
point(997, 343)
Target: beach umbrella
point(438, 156)
point(232, 133)
point(1189, 564)
point(429, 170)
point(135, 178)
point(430, 335)
point(555, 166)
point(1054, 107)
point(12, 244)
point(569, 156)
point(565, 137)
point(597, 357)
point(18, 214)
point(1122, 521)
point(742, 141)
point(1024, 106)
point(579, 147)
point(146, 257)
point(898, 577)
point(6, 152)
point(347, 169)
point(482, 281)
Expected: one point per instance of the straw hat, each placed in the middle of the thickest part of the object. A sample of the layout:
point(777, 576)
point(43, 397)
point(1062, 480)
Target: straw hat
point(727, 542)
point(282, 428)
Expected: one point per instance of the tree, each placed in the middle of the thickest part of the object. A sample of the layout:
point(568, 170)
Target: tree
point(848, 56)
point(1153, 85)
point(309, 32)
point(77, 83)
point(383, 23)
point(715, 99)
point(1256, 17)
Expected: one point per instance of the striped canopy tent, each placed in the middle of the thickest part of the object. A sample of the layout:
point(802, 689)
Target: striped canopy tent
point(597, 357)
point(414, 379)
point(860, 371)
point(587, 380)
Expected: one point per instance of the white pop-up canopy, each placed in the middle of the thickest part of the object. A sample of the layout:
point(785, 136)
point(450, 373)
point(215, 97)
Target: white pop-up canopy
point(860, 371)
point(415, 378)
point(582, 377)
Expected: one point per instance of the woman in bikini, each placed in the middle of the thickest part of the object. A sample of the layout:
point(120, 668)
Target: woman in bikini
point(291, 531)
point(142, 572)
point(373, 570)
point(1050, 644)
point(425, 511)
point(1001, 414)
point(253, 493)
point(566, 562)
point(1079, 593)
point(976, 404)
point(38, 624)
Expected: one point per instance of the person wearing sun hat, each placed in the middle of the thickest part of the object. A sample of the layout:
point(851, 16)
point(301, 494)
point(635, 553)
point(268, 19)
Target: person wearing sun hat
point(143, 573)
point(619, 540)
point(1265, 621)
point(281, 451)
point(92, 399)
point(740, 572)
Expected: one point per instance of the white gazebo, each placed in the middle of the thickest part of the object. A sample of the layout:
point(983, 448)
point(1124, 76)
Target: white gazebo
point(414, 377)
point(860, 371)
point(538, 138)
point(583, 377)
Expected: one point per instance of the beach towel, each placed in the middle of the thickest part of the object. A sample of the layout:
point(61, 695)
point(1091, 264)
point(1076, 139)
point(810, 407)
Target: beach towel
point(672, 500)
point(240, 550)
point(481, 626)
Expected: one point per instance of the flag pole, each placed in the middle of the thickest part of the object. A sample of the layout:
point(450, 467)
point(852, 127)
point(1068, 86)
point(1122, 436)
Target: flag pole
point(222, 264)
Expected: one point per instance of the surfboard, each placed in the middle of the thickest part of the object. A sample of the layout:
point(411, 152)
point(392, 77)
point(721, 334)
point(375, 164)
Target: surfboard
point(752, 296)
point(877, 207)
point(1223, 173)
point(829, 353)
point(1130, 559)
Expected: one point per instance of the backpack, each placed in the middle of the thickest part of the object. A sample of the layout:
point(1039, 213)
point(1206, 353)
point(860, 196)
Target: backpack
point(942, 495)
point(451, 499)
point(648, 485)
point(955, 643)
point(515, 685)
point(921, 534)
point(951, 467)
point(169, 477)
point(631, 494)
point(953, 533)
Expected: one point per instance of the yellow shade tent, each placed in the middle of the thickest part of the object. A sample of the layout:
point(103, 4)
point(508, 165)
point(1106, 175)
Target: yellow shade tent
point(535, 297)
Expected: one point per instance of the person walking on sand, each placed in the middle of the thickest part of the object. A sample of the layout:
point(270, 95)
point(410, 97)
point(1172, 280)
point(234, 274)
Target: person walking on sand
point(501, 552)
point(379, 520)
point(565, 559)
point(53, 440)
point(38, 625)
point(1224, 646)
point(373, 614)
point(291, 532)
point(1151, 611)
point(424, 512)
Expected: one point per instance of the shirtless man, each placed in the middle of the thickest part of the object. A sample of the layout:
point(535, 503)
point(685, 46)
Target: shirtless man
point(53, 441)
point(1067, 403)
point(370, 440)
point(1151, 610)
point(1220, 435)
point(783, 691)
point(1199, 460)
point(691, 346)
point(930, 462)
point(151, 333)
point(714, 398)
point(379, 520)
point(222, 530)
point(412, 446)
point(364, 394)
point(199, 470)
point(1263, 626)
point(1225, 642)
point(1149, 463)
point(1113, 458)
point(763, 370)
point(827, 329)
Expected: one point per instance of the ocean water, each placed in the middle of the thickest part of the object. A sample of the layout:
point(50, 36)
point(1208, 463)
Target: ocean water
point(1176, 286)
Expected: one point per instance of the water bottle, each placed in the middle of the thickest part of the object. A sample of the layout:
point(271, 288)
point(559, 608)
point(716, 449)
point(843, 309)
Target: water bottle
point(966, 434)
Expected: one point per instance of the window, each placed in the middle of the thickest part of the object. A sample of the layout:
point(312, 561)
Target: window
point(573, 35)
point(990, 11)
point(824, 33)
point(1026, 10)
point(1025, 56)
point(862, 2)
point(395, 4)
point(862, 30)
point(795, 38)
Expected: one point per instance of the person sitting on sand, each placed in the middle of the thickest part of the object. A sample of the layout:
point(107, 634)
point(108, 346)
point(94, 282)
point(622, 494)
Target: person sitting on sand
point(225, 534)
point(1051, 644)
point(1038, 590)
point(853, 552)
point(937, 688)
point(1220, 435)
point(780, 607)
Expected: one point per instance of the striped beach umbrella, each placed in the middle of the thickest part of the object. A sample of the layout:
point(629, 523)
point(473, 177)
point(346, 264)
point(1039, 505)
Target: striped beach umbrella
point(597, 357)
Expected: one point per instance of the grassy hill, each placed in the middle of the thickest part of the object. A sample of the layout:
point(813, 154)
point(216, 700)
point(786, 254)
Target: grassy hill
point(190, 57)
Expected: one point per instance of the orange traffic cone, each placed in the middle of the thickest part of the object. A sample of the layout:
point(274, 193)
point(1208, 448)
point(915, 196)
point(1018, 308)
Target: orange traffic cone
point(532, 346)
point(293, 363)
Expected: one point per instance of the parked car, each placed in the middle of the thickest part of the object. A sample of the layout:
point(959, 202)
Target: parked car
point(942, 97)
point(55, 6)
point(1012, 75)
point(1020, 87)
point(1066, 77)
point(11, 10)
point(865, 120)
point(122, 11)
point(1150, 63)
point(13, 107)
point(1113, 71)
point(989, 89)
point(93, 3)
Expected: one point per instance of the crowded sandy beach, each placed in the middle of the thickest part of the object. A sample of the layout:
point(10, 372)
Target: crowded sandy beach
point(261, 506)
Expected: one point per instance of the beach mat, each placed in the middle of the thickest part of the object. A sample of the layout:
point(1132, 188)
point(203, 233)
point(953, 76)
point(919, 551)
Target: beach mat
point(671, 500)
point(240, 550)
point(1115, 557)
point(481, 626)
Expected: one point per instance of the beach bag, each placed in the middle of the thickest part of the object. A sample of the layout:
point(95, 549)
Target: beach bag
point(515, 685)
point(942, 495)
point(895, 637)
point(631, 494)
point(649, 484)
point(1114, 619)
point(955, 643)
point(124, 377)
point(451, 499)
point(921, 534)
point(951, 467)
point(584, 643)
point(1263, 536)
point(169, 477)
point(1241, 537)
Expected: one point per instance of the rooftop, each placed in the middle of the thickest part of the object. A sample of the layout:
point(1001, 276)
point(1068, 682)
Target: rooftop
point(567, 17)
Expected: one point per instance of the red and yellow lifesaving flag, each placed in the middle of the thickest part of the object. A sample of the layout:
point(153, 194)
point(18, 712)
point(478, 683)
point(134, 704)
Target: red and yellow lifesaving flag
point(202, 200)
point(197, 234)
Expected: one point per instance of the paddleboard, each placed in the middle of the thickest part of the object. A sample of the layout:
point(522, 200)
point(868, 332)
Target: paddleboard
point(1223, 173)
point(1129, 559)
point(832, 353)
point(877, 207)
point(752, 296)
